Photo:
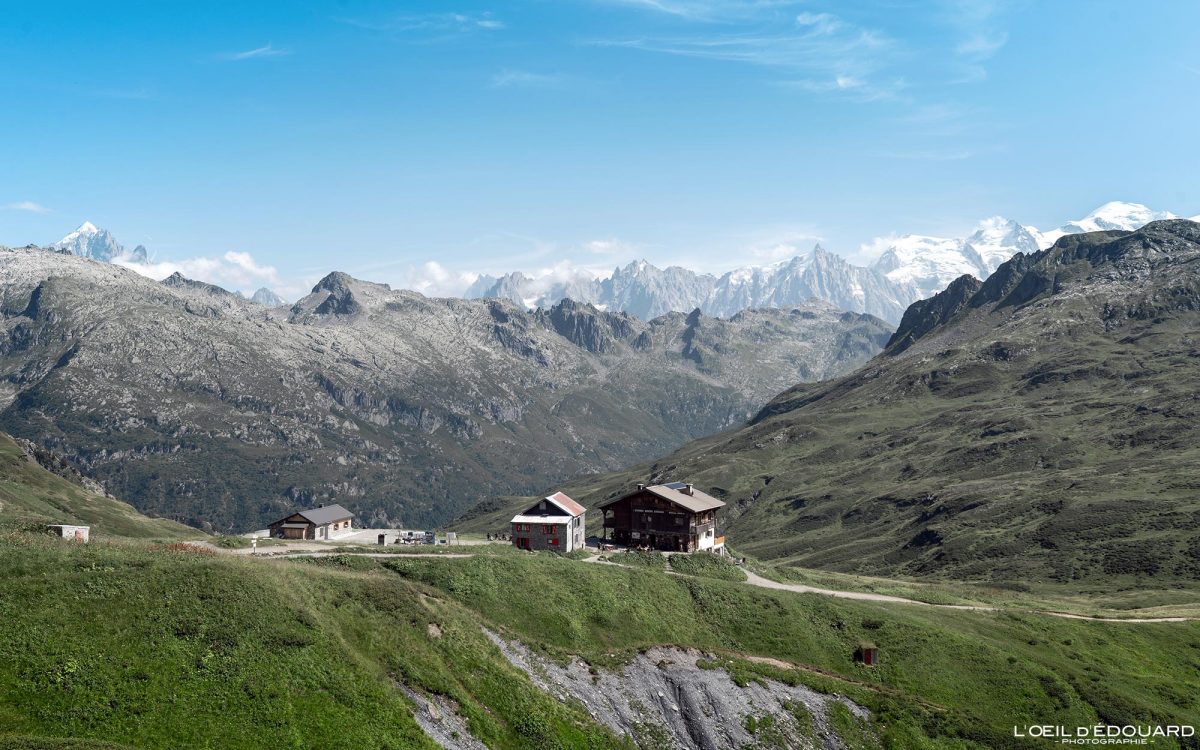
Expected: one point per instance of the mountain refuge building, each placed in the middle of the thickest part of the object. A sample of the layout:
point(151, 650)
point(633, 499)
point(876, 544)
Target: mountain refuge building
point(319, 524)
point(672, 517)
point(555, 523)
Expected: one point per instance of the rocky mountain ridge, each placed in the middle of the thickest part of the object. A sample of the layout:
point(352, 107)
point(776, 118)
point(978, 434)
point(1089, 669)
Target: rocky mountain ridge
point(194, 403)
point(1039, 425)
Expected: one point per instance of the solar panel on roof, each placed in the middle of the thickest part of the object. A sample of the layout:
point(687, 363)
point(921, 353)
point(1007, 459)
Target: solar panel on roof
point(676, 485)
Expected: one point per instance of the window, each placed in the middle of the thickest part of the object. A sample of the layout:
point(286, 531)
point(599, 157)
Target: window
point(554, 542)
point(547, 528)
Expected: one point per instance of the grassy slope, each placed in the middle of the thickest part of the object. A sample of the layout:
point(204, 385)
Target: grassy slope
point(988, 671)
point(30, 494)
point(159, 649)
point(1052, 441)
point(150, 648)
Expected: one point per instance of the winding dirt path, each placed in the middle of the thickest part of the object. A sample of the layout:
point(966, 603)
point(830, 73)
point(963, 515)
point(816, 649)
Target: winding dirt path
point(752, 579)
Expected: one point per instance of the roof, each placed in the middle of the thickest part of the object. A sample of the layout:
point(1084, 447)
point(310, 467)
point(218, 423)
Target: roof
point(321, 516)
point(561, 500)
point(540, 519)
point(674, 492)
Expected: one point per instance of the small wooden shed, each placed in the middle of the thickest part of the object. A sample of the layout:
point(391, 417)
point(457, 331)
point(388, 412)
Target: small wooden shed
point(867, 654)
point(70, 531)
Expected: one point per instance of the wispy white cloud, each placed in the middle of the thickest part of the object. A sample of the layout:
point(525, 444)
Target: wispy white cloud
point(28, 206)
point(821, 53)
point(267, 50)
point(429, 23)
point(609, 247)
point(851, 87)
point(526, 79)
point(821, 23)
point(779, 244)
point(709, 10)
point(977, 25)
point(869, 252)
point(237, 271)
point(435, 280)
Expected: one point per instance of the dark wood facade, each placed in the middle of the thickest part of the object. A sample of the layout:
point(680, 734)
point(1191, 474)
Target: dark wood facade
point(671, 518)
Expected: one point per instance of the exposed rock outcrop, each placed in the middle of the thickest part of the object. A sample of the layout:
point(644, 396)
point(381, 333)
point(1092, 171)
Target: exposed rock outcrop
point(680, 698)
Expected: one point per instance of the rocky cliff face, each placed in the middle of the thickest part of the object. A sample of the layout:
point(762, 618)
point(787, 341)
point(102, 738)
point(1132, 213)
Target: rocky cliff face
point(681, 698)
point(200, 405)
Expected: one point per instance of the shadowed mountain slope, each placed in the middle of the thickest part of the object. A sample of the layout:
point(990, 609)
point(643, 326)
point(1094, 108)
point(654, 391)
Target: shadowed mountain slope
point(202, 406)
point(1040, 425)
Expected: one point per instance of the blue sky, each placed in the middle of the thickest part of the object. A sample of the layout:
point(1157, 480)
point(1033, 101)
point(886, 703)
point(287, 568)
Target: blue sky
point(377, 137)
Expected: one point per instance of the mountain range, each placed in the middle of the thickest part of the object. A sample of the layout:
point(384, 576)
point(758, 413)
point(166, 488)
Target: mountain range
point(194, 403)
point(1041, 425)
point(908, 268)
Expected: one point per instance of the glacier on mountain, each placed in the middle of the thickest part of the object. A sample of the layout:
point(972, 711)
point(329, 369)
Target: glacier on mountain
point(89, 241)
point(905, 269)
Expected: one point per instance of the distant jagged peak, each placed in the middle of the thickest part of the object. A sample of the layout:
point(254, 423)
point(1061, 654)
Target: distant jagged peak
point(90, 241)
point(335, 281)
point(341, 295)
point(267, 298)
point(178, 281)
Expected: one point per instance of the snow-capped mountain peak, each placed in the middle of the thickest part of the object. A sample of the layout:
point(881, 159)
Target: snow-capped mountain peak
point(926, 262)
point(996, 240)
point(1114, 215)
point(1120, 215)
point(90, 241)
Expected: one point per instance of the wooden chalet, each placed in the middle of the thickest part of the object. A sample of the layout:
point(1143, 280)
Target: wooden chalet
point(325, 522)
point(555, 523)
point(674, 517)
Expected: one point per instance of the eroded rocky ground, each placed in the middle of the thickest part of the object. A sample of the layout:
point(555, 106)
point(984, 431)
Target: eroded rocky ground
point(672, 698)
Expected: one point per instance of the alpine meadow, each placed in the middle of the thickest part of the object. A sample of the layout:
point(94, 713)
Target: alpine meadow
point(632, 374)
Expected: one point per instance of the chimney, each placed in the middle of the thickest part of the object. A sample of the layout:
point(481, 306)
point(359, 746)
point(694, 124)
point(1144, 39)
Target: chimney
point(688, 490)
point(641, 486)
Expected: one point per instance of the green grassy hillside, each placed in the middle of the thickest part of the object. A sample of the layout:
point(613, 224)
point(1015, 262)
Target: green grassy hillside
point(949, 678)
point(155, 646)
point(29, 494)
point(1039, 427)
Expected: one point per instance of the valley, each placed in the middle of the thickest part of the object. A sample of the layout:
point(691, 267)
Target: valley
point(1036, 429)
point(195, 404)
